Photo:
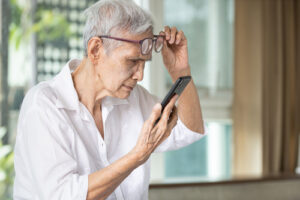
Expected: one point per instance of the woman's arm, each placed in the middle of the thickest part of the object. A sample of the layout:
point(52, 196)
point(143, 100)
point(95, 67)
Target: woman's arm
point(175, 57)
point(103, 182)
point(189, 109)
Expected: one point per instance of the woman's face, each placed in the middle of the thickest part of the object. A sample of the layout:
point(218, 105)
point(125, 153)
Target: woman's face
point(123, 67)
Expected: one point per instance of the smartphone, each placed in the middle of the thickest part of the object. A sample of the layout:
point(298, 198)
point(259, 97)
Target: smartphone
point(176, 88)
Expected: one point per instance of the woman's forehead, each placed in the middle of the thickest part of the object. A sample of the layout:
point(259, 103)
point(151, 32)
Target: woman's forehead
point(127, 35)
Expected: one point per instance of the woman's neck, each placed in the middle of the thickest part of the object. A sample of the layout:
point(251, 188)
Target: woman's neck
point(89, 88)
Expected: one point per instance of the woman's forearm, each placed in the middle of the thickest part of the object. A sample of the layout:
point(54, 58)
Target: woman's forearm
point(103, 182)
point(189, 109)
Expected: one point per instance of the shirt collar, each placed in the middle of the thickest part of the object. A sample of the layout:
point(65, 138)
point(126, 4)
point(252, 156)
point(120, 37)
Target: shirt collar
point(66, 94)
point(63, 85)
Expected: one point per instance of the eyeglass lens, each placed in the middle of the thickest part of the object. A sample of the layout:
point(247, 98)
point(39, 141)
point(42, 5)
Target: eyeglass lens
point(146, 46)
point(159, 44)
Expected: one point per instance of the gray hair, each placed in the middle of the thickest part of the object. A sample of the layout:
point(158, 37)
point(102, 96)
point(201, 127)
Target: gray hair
point(108, 17)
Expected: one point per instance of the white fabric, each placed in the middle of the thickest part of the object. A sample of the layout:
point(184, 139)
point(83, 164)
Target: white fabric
point(58, 143)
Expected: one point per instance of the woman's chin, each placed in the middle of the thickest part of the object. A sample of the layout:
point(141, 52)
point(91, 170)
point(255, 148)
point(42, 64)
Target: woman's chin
point(123, 95)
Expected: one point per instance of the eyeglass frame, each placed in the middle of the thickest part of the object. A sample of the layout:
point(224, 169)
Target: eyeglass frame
point(154, 39)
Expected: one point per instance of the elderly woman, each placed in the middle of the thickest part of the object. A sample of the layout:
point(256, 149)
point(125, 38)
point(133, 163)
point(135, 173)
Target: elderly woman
point(89, 132)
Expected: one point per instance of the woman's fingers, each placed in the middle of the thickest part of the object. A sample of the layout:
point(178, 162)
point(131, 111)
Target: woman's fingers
point(156, 132)
point(168, 109)
point(179, 37)
point(156, 111)
point(173, 119)
point(167, 31)
point(173, 35)
point(162, 126)
point(152, 135)
point(171, 124)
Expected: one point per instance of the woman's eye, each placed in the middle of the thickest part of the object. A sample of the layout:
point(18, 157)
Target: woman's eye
point(134, 61)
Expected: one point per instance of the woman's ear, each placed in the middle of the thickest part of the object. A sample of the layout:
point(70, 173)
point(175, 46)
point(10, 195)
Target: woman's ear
point(94, 49)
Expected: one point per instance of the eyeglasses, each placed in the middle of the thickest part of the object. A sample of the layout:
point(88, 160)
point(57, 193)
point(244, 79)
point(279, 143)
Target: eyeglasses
point(146, 44)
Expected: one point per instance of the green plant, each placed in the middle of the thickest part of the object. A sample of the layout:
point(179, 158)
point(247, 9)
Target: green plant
point(49, 25)
point(6, 168)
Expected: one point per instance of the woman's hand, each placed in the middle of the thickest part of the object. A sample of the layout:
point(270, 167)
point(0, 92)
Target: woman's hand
point(175, 52)
point(153, 135)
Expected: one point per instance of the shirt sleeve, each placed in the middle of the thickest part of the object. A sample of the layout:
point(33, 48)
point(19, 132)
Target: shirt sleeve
point(180, 136)
point(42, 153)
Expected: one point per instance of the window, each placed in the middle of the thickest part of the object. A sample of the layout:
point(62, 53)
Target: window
point(206, 159)
point(208, 26)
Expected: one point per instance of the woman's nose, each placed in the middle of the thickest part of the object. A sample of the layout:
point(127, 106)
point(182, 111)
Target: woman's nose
point(139, 73)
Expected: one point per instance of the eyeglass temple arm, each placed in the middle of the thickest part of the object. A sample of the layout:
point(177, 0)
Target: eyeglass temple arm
point(120, 39)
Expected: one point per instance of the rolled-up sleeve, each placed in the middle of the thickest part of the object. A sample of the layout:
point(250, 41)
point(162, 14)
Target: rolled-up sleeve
point(180, 136)
point(44, 161)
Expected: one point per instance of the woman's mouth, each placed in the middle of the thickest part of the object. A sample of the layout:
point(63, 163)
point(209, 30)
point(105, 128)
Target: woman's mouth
point(129, 88)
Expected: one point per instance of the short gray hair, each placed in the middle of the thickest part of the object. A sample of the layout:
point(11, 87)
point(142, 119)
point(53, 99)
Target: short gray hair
point(107, 17)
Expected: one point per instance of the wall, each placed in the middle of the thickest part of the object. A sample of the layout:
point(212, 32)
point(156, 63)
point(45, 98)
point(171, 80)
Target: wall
point(287, 189)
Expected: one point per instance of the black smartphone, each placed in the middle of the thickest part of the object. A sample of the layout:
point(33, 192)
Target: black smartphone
point(176, 88)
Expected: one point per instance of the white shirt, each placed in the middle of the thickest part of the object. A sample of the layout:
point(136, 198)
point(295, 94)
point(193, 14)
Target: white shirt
point(58, 144)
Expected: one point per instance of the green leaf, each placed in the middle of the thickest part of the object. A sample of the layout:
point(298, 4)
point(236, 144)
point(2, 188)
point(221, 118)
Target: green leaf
point(50, 26)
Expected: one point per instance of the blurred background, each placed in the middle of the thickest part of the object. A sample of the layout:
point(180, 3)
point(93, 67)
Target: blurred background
point(245, 57)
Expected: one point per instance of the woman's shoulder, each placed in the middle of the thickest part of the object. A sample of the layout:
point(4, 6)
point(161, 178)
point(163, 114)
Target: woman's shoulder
point(40, 96)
